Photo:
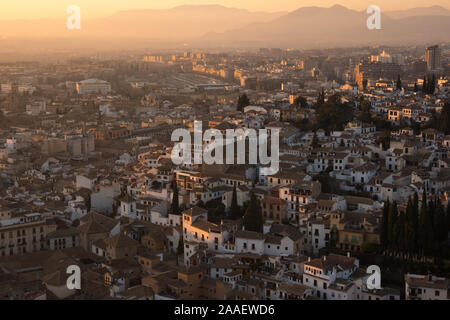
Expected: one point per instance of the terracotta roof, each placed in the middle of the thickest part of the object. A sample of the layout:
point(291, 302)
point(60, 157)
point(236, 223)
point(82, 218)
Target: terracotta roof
point(120, 240)
point(249, 235)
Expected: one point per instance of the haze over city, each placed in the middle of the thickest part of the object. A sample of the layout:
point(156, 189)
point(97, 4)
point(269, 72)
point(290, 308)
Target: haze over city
point(31, 9)
point(216, 26)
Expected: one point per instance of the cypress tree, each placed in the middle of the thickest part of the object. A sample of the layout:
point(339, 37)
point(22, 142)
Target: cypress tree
point(432, 85)
point(448, 217)
point(301, 102)
point(400, 232)
point(180, 249)
point(392, 221)
point(235, 211)
point(409, 233)
point(253, 220)
point(415, 87)
point(321, 98)
point(314, 141)
point(440, 232)
point(415, 221)
point(243, 101)
point(399, 83)
point(385, 225)
point(444, 119)
point(175, 208)
point(425, 85)
point(425, 227)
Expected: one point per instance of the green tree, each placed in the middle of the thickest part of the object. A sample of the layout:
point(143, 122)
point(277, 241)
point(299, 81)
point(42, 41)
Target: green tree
point(432, 85)
point(369, 247)
point(415, 126)
point(301, 102)
point(399, 83)
point(253, 220)
point(392, 224)
point(425, 85)
point(243, 101)
point(321, 97)
point(334, 237)
point(413, 223)
point(235, 210)
point(440, 232)
point(333, 115)
point(384, 139)
point(448, 217)
point(385, 225)
point(444, 119)
point(400, 232)
point(175, 208)
point(315, 141)
point(180, 249)
point(425, 227)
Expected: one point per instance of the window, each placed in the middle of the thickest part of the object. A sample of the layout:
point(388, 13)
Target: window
point(436, 293)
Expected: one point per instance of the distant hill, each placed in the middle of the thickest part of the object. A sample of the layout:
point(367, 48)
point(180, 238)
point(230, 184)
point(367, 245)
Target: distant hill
point(312, 27)
point(219, 26)
point(423, 11)
point(177, 24)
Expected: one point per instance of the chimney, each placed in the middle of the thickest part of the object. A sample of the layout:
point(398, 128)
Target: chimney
point(309, 259)
point(348, 254)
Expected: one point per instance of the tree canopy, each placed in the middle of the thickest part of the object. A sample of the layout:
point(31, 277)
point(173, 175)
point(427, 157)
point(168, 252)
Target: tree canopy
point(253, 220)
point(243, 101)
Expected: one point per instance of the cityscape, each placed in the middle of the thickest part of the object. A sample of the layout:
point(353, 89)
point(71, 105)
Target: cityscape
point(204, 152)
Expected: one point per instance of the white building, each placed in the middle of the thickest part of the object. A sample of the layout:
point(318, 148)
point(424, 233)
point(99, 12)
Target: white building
point(329, 276)
point(426, 287)
point(102, 199)
point(128, 207)
point(249, 242)
point(93, 86)
point(197, 228)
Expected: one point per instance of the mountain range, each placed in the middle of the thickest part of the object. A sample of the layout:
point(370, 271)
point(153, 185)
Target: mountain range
point(313, 27)
point(219, 26)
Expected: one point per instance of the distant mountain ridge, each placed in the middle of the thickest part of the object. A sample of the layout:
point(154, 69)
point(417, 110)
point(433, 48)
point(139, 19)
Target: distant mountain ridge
point(218, 26)
point(312, 27)
point(423, 11)
point(177, 24)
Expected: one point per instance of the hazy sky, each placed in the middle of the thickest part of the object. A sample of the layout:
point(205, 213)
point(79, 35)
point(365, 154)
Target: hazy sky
point(26, 9)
